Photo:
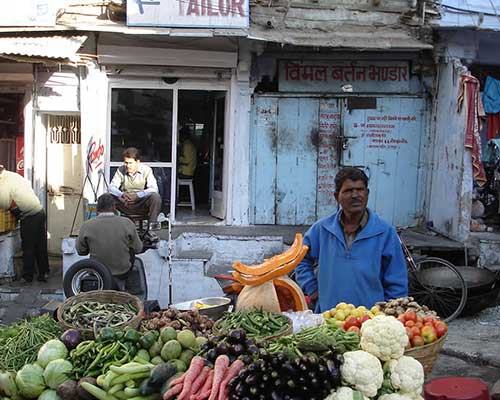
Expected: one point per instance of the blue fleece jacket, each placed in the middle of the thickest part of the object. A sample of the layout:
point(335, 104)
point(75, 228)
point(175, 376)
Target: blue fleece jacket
point(374, 269)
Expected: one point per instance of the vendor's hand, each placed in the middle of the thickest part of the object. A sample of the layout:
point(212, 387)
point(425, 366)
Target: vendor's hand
point(130, 197)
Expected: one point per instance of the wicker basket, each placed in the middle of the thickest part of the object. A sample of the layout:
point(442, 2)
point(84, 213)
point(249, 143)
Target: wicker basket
point(427, 354)
point(102, 296)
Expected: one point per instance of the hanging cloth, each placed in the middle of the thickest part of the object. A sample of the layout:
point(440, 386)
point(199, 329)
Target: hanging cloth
point(491, 96)
point(469, 91)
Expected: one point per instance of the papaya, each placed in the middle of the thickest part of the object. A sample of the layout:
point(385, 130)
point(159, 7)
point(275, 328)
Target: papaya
point(281, 270)
point(290, 295)
point(273, 262)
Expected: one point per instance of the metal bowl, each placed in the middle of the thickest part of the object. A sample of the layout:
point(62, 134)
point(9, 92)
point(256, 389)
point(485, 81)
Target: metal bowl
point(219, 306)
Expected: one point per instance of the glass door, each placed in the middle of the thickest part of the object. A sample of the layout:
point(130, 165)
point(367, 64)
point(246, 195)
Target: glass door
point(142, 118)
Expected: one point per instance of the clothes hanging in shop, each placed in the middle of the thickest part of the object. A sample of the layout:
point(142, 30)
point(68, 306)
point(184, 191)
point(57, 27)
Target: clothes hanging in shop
point(469, 91)
point(491, 96)
point(493, 122)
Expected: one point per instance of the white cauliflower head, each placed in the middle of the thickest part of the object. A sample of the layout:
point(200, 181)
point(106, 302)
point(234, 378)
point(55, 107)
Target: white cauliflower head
point(363, 371)
point(346, 393)
point(396, 396)
point(384, 337)
point(406, 374)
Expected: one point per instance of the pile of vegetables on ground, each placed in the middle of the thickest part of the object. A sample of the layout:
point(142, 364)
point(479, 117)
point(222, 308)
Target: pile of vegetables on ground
point(245, 355)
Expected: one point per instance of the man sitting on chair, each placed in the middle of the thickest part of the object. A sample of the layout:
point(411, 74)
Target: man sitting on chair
point(135, 189)
point(109, 238)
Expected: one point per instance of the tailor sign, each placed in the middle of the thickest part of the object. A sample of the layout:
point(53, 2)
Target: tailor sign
point(188, 13)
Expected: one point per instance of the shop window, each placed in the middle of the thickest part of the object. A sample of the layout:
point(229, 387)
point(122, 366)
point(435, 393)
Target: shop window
point(64, 129)
point(142, 118)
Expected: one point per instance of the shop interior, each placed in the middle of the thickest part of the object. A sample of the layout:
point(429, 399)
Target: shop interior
point(486, 197)
point(143, 118)
point(11, 131)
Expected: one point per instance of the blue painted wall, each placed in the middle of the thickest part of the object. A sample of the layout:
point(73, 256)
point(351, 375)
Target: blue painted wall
point(295, 157)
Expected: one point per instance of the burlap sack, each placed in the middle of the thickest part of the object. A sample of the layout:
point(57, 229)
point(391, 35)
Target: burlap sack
point(259, 297)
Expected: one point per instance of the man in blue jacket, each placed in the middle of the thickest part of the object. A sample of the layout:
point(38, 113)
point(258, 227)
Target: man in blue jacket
point(359, 256)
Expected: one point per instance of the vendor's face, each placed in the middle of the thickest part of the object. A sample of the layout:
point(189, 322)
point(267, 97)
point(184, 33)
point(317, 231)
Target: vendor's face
point(353, 196)
point(131, 164)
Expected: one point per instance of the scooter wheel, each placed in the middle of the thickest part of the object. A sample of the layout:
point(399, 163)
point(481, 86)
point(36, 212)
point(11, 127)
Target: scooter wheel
point(87, 268)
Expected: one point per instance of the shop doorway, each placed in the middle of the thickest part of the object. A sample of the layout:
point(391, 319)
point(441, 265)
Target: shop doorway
point(155, 120)
point(201, 123)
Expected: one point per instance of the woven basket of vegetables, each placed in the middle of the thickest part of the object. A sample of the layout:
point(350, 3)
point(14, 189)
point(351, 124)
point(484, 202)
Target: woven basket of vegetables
point(89, 312)
point(427, 354)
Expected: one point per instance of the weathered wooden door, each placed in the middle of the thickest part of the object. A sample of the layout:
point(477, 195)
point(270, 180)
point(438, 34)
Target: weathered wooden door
point(385, 141)
point(299, 144)
point(294, 159)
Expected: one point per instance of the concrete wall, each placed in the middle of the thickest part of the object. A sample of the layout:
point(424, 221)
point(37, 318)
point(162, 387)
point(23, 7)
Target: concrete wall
point(450, 187)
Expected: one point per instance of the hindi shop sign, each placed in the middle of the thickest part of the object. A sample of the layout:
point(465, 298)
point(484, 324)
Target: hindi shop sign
point(188, 13)
point(340, 76)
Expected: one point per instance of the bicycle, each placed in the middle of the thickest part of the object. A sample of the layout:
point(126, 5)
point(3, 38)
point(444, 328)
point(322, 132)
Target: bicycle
point(436, 283)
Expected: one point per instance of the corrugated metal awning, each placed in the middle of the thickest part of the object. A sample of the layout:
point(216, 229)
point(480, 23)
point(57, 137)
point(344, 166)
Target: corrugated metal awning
point(44, 47)
point(360, 39)
point(476, 14)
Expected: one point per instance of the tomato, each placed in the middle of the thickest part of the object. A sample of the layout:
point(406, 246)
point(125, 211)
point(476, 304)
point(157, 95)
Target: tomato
point(353, 329)
point(415, 331)
point(401, 318)
point(417, 341)
point(411, 316)
point(410, 323)
point(419, 324)
point(409, 333)
point(441, 328)
point(363, 318)
point(420, 318)
point(429, 319)
point(351, 321)
point(429, 334)
point(429, 324)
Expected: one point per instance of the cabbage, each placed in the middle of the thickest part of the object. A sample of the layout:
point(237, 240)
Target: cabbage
point(57, 372)
point(8, 385)
point(52, 350)
point(49, 394)
point(29, 381)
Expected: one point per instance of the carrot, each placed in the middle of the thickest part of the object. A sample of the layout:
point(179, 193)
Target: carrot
point(220, 368)
point(199, 381)
point(172, 391)
point(205, 390)
point(233, 371)
point(178, 380)
point(192, 373)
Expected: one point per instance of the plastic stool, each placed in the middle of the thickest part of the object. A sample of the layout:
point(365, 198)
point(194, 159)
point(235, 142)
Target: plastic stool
point(456, 388)
point(189, 184)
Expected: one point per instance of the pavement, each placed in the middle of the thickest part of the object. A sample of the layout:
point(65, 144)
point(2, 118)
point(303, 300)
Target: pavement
point(472, 347)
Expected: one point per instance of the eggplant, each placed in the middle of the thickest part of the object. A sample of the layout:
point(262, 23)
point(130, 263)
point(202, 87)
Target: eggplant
point(71, 338)
point(253, 391)
point(275, 395)
point(253, 350)
point(246, 359)
point(222, 348)
point(212, 355)
point(251, 380)
point(237, 349)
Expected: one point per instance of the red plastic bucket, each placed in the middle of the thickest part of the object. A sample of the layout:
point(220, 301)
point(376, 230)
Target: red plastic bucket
point(456, 388)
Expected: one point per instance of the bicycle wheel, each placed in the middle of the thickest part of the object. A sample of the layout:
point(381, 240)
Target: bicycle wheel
point(437, 284)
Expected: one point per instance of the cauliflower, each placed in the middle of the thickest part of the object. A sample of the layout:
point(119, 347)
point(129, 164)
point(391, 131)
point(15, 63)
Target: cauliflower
point(384, 337)
point(406, 374)
point(396, 396)
point(363, 371)
point(346, 393)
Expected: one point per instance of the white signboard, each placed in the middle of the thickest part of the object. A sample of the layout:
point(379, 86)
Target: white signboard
point(188, 13)
point(29, 12)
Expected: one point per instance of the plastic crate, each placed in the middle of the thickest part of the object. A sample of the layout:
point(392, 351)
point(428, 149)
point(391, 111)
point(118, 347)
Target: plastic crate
point(7, 221)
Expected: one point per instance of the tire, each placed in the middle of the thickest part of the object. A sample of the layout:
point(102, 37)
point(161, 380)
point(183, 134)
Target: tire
point(437, 284)
point(87, 268)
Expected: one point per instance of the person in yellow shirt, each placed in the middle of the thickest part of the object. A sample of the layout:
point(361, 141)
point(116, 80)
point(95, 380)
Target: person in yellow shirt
point(187, 156)
point(17, 196)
